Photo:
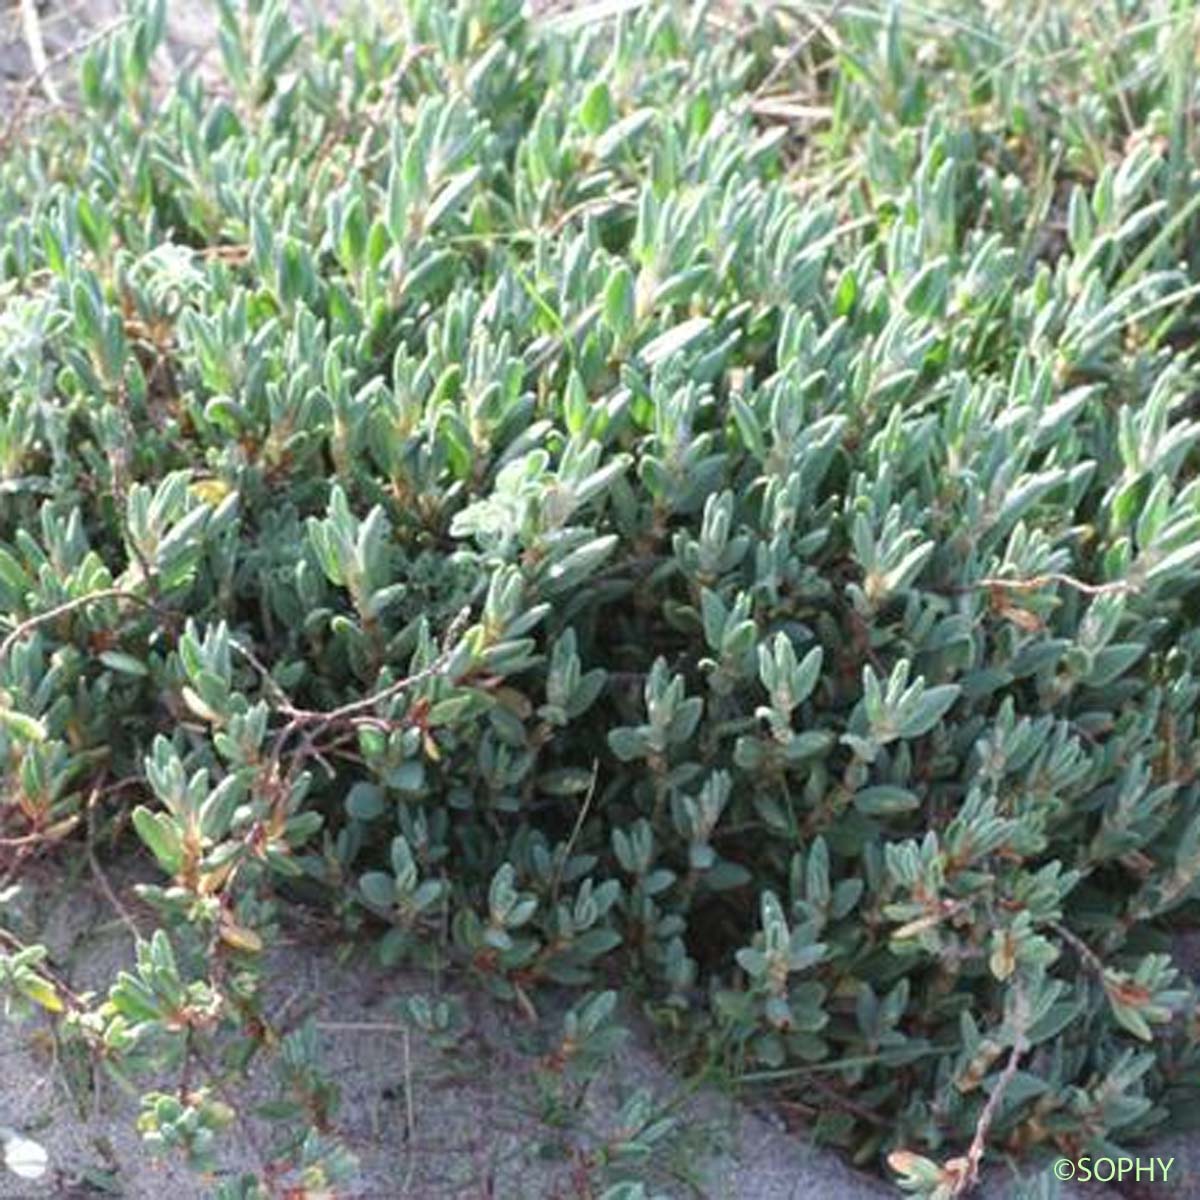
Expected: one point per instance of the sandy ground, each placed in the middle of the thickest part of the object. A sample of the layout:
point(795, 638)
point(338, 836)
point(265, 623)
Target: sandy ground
point(423, 1120)
point(65, 25)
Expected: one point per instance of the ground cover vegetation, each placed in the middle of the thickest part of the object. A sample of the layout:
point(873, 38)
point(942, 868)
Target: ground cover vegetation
point(698, 503)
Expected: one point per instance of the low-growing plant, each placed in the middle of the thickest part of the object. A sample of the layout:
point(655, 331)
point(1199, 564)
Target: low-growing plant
point(687, 497)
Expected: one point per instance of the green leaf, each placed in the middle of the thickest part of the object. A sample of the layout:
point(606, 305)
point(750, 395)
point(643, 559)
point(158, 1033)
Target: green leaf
point(379, 889)
point(125, 663)
point(620, 302)
point(451, 196)
point(365, 801)
point(845, 293)
point(409, 777)
point(202, 710)
point(885, 800)
point(674, 340)
point(624, 133)
point(161, 835)
point(22, 726)
point(929, 710)
point(596, 111)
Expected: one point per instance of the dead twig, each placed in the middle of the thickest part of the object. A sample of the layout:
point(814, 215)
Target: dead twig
point(410, 1114)
point(41, 76)
point(789, 55)
point(1041, 581)
point(361, 1026)
point(783, 108)
point(98, 872)
point(32, 28)
point(59, 830)
point(234, 253)
point(968, 1167)
point(1118, 586)
point(311, 724)
point(845, 1104)
point(359, 710)
point(565, 857)
point(61, 610)
point(1085, 952)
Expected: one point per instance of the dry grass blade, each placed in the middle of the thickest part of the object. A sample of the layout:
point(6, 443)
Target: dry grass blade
point(31, 26)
